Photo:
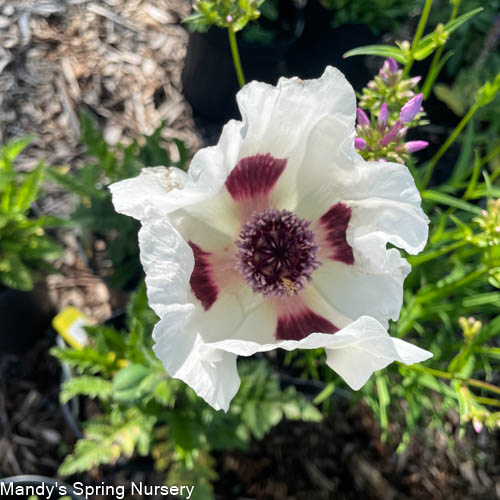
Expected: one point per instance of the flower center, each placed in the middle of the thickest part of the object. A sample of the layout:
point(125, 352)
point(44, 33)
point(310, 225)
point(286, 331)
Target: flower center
point(276, 252)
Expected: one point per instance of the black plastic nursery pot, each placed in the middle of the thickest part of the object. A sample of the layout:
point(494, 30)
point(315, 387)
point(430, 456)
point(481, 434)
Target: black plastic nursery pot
point(45, 488)
point(24, 318)
point(209, 78)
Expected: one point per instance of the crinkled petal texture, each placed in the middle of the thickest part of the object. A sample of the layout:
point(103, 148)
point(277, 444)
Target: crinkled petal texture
point(291, 156)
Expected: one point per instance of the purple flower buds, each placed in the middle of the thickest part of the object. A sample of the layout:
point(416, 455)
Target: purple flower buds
point(390, 136)
point(391, 64)
point(362, 118)
point(359, 143)
point(383, 115)
point(414, 146)
point(410, 109)
point(229, 18)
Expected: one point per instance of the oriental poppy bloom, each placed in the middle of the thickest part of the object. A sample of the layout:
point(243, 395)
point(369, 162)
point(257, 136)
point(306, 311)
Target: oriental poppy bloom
point(277, 238)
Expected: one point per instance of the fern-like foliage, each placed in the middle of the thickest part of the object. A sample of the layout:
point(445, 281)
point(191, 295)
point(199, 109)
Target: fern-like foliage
point(109, 437)
point(86, 386)
point(25, 248)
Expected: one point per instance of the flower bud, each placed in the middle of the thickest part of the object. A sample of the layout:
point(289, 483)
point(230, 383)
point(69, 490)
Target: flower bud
point(390, 136)
point(414, 146)
point(477, 424)
point(383, 116)
point(410, 109)
point(361, 117)
point(359, 143)
point(391, 65)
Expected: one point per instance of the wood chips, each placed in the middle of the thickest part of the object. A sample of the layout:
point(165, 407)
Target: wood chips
point(121, 59)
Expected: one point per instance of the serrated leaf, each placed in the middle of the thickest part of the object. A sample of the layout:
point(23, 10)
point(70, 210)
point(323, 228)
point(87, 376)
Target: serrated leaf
point(10, 151)
point(107, 438)
point(28, 190)
point(18, 275)
point(86, 386)
point(74, 185)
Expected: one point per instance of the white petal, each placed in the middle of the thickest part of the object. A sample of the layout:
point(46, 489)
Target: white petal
point(354, 352)
point(279, 120)
point(357, 291)
point(398, 223)
point(206, 175)
point(371, 349)
point(385, 206)
point(150, 187)
point(212, 374)
point(168, 263)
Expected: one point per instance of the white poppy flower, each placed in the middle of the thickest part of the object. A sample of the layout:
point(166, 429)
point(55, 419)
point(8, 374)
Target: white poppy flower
point(276, 238)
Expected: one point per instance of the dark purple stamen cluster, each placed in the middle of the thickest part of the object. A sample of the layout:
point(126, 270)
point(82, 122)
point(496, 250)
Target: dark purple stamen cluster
point(276, 251)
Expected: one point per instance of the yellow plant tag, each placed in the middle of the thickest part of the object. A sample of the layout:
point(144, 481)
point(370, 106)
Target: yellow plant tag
point(69, 324)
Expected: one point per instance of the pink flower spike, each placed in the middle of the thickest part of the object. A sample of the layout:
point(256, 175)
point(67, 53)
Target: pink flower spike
point(361, 117)
point(414, 146)
point(229, 19)
point(383, 116)
point(359, 143)
point(410, 109)
point(391, 134)
point(383, 75)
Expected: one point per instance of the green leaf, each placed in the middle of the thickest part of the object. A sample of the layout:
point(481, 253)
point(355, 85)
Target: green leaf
point(85, 360)
point(451, 201)
point(10, 151)
point(74, 185)
point(488, 92)
point(28, 190)
point(86, 386)
point(378, 50)
point(428, 44)
point(126, 383)
point(107, 438)
point(18, 275)
point(383, 399)
point(324, 394)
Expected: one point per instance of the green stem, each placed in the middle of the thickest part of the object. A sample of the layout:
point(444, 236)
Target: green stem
point(468, 381)
point(442, 150)
point(431, 77)
point(418, 35)
point(236, 56)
